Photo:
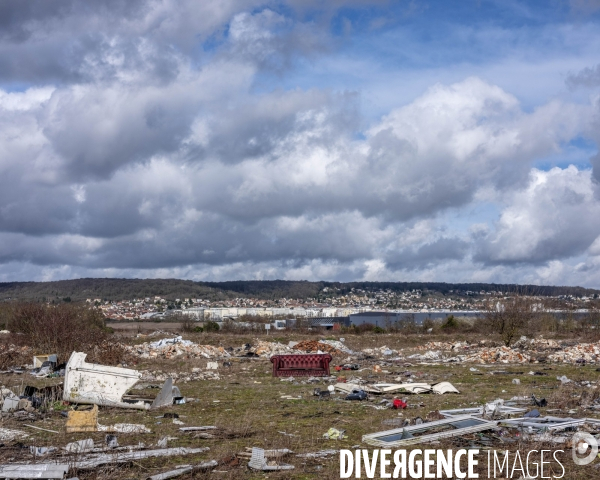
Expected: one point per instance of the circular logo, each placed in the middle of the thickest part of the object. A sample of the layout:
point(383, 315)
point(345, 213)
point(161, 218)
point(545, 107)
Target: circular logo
point(581, 443)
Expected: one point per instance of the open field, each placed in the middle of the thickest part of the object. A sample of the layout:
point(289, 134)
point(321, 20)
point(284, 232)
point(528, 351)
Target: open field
point(137, 327)
point(247, 407)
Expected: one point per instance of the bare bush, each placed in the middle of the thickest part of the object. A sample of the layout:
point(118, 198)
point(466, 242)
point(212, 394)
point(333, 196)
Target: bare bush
point(510, 316)
point(62, 329)
point(188, 324)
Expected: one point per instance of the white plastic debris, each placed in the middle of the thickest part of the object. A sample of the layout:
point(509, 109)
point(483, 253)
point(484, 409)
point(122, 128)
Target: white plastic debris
point(444, 387)
point(80, 446)
point(124, 428)
point(91, 383)
point(93, 461)
point(171, 341)
point(338, 345)
point(319, 454)
point(7, 434)
point(334, 434)
point(259, 462)
point(36, 470)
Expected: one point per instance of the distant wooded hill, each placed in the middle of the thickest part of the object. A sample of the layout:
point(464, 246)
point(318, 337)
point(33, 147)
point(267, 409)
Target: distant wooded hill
point(121, 288)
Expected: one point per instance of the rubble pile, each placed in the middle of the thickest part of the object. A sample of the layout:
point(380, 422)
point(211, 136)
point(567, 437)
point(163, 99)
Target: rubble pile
point(175, 347)
point(538, 344)
point(156, 333)
point(7, 434)
point(313, 346)
point(268, 349)
point(379, 351)
point(523, 351)
point(429, 355)
point(338, 345)
point(181, 377)
point(444, 346)
point(584, 352)
point(497, 355)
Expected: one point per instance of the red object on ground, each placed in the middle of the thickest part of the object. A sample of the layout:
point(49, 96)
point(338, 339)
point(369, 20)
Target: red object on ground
point(338, 368)
point(398, 404)
point(311, 365)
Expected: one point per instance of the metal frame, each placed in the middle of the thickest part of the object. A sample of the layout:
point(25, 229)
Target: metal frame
point(39, 470)
point(545, 423)
point(374, 438)
point(481, 411)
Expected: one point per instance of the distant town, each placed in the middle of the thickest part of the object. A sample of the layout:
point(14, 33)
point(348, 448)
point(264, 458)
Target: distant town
point(328, 303)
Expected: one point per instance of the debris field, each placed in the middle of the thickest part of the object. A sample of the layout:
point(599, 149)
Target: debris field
point(213, 406)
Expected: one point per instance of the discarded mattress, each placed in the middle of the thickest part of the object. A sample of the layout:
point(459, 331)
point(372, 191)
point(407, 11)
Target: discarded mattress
point(91, 383)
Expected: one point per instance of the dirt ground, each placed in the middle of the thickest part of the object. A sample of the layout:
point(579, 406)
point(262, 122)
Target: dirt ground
point(247, 407)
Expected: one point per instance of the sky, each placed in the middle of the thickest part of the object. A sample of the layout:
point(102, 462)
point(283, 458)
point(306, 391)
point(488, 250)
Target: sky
point(346, 140)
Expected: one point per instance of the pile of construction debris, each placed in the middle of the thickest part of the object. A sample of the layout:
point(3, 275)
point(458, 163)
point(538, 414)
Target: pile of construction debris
point(313, 346)
point(266, 349)
point(537, 344)
point(379, 351)
point(338, 345)
point(175, 347)
point(445, 346)
point(583, 352)
point(523, 351)
point(195, 374)
point(497, 355)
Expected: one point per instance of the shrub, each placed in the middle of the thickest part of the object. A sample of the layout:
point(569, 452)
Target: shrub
point(187, 324)
point(451, 323)
point(366, 327)
point(510, 316)
point(427, 324)
point(63, 329)
point(211, 326)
